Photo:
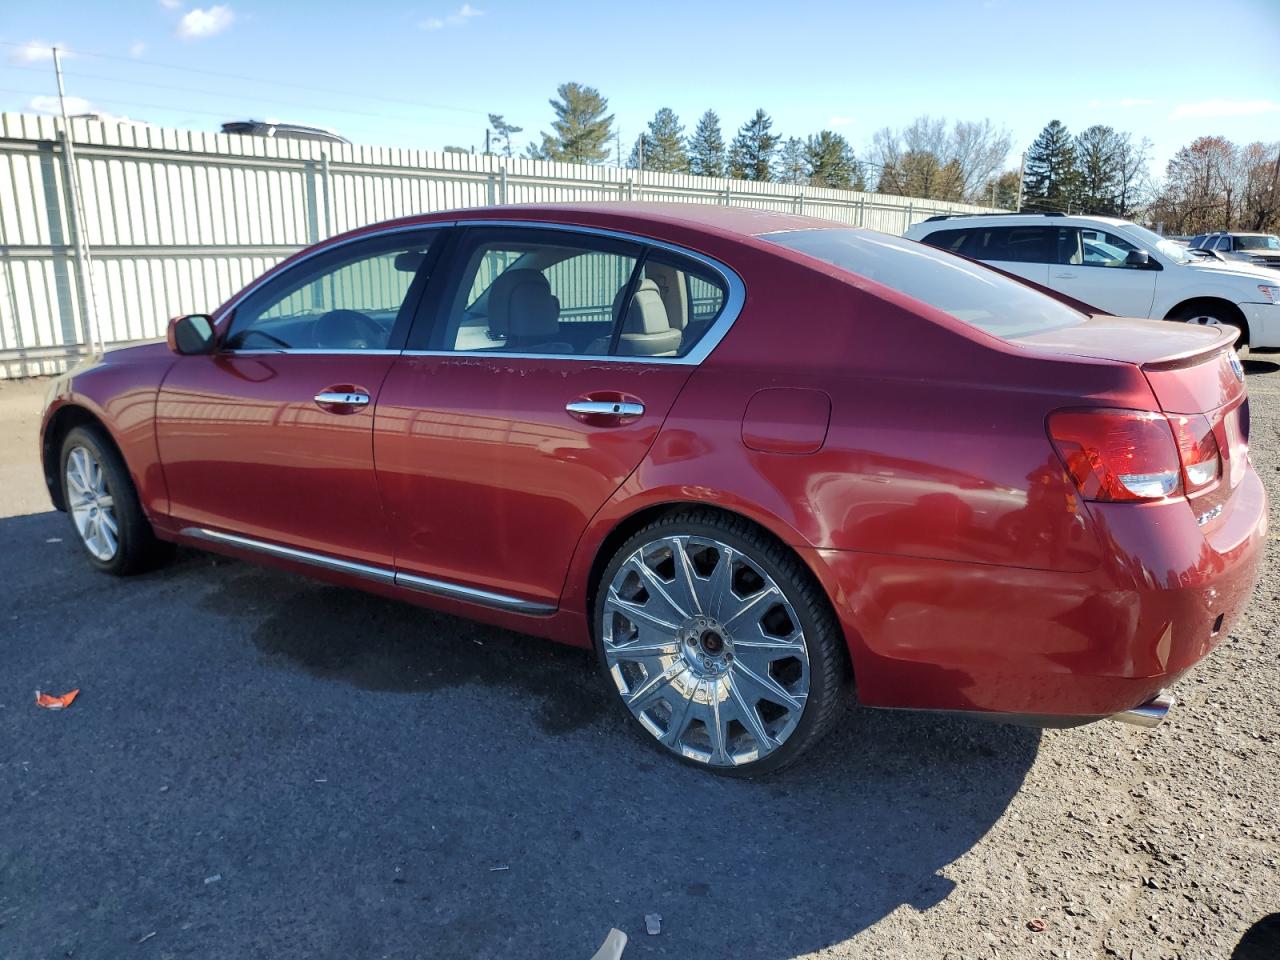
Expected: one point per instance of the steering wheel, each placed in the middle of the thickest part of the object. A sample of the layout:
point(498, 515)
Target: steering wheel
point(347, 329)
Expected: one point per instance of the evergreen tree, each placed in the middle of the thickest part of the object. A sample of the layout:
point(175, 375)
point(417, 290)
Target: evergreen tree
point(792, 167)
point(663, 145)
point(751, 155)
point(581, 130)
point(706, 147)
point(1100, 160)
point(502, 132)
point(830, 162)
point(1050, 181)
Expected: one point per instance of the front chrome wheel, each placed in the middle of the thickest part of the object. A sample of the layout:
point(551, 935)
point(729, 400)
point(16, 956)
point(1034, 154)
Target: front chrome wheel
point(705, 650)
point(91, 504)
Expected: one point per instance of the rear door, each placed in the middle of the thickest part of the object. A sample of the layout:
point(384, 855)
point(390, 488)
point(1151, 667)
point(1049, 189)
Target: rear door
point(1022, 250)
point(1091, 268)
point(552, 361)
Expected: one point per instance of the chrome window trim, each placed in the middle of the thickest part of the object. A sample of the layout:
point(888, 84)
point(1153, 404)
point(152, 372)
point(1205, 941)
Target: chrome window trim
point(308, 352)
point(735, 297)
point(385, 575)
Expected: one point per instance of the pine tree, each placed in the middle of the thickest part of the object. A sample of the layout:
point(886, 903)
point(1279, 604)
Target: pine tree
point(663, 145)
point(830, 162)
point(792, 167)
point(1100, 159)
point(581, 130)
point(751, 155)
point(1050, 181)
point(706, 147)
point(502, 131)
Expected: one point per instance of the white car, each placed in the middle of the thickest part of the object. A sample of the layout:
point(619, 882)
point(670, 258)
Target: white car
point(1118, 267)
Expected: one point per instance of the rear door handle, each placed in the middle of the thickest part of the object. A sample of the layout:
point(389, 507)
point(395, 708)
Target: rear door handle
point(342, 398)
point(619, 409)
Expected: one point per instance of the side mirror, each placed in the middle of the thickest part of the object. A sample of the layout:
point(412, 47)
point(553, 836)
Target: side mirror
point(1138, 258)
point(191, 335)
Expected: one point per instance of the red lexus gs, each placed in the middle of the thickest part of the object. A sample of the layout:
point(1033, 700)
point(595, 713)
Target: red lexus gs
point(757, 461)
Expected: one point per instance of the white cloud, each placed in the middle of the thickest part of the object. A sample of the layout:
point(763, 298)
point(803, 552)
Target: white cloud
point(36, 51)
point(839, 121)
point(1224, 108)
point(458, 18)
point(198, 23)
point(137, 49)
point(43, 104)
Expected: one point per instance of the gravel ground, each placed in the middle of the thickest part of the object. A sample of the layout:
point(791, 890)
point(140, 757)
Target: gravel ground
point(263, 766)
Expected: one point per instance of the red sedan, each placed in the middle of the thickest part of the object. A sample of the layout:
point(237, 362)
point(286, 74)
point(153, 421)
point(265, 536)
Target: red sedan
point(755, 460)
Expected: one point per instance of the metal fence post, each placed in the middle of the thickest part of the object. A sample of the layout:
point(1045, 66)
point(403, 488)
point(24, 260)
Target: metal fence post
point(728, 196)
point(309, 177)
point(630, 186)
point(502, 183)
point(328, 203)
point(491, 190)
point(910, 210)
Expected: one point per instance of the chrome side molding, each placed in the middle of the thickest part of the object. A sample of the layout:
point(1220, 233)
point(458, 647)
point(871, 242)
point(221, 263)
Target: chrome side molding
point(385, 575)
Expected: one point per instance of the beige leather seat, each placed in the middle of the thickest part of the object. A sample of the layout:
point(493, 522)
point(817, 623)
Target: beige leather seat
point(522, 306)
point(646, 331)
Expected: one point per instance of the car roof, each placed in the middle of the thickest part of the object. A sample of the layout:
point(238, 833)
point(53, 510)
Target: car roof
point(1011, 219)
point(639, 217)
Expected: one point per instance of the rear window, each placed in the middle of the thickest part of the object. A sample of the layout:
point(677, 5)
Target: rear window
point(966, 290)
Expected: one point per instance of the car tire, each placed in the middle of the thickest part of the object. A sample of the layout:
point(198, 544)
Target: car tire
point(1211, 316)
point(738, 666)
point(102, 506)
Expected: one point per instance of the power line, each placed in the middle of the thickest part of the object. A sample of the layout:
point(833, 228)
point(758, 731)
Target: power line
point(418, 104)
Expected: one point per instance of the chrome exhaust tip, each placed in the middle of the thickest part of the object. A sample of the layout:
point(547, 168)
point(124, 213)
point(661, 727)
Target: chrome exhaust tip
point(1149, 714)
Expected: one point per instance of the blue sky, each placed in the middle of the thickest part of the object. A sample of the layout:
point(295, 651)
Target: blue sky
point(425, 73)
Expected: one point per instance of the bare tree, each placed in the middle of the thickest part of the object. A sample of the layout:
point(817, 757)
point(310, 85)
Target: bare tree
point(929, 159)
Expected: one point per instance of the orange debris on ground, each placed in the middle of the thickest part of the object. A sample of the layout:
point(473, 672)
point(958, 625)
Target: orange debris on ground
point(51, 702)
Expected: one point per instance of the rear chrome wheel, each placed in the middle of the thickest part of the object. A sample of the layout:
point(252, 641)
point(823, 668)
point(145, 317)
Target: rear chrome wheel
point(91, 505)
point(710, 643)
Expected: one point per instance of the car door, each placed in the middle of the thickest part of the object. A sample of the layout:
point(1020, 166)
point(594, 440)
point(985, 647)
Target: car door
point(1022, 250)
point(551, 363)
point(1091, 267)
point(270, 438)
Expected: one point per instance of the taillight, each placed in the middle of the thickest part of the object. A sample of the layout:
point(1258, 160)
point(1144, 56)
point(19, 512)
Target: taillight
point(1117, 455)
point(1198, 448)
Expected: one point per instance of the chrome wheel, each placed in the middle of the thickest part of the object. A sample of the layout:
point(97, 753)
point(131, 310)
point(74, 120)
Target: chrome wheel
point(705, 650)
point(1204, 320)
point(91, 504)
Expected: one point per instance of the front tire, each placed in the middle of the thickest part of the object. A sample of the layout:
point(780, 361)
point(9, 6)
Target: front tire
point(720, 643)
point(103, 506)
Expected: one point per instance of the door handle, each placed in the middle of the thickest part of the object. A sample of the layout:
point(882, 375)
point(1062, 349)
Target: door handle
point(338, 398)
point(619, 409)
point(1064, 276)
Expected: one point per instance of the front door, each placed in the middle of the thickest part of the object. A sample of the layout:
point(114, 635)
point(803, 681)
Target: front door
point(1091, 267)
point(271, 437)
point(550, 367)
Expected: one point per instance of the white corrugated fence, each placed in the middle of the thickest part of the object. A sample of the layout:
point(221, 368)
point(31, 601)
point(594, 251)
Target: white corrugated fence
point(175, 221)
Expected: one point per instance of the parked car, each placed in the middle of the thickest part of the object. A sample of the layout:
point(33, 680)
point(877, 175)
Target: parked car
point(282, 131)
point(1156, 278)
point(1262, 249)
point(689, 437)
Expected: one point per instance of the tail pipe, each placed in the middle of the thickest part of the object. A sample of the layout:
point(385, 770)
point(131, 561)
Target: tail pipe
point(1149, 714)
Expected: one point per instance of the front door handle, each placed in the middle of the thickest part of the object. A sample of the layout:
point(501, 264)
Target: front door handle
point(1064, 276)
point(609, 409)
point(342, 401)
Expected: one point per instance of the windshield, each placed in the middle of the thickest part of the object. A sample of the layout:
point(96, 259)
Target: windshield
point(968, 291)
point(1258, 243)
point(1153, 241)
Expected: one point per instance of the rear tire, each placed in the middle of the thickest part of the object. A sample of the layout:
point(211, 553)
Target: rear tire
point(721, 644)
point(103, 508)
point(1212, 315)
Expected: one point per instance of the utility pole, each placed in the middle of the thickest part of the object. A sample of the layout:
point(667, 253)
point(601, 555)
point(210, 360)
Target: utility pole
point(1022, 169)
point(486, 142)
point(94, 334)
point(617, 139)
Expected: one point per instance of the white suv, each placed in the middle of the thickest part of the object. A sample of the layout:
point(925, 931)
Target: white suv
point(1119, 268)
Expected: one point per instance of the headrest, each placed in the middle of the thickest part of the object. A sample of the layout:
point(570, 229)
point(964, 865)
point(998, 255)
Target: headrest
point(647, 313)
point(522, 306)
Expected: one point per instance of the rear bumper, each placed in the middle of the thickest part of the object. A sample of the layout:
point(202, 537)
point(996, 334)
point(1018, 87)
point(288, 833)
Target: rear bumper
point(941, 635)
point(1264, 323)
